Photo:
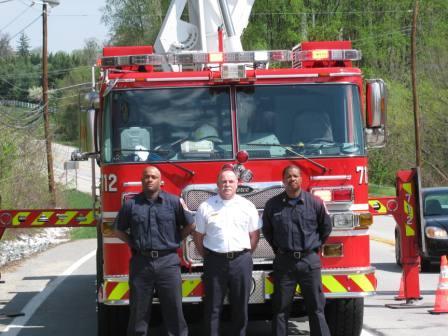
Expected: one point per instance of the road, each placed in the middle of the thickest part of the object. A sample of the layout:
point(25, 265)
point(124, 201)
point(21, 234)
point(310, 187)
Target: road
point(56, 291)
point(80, 178)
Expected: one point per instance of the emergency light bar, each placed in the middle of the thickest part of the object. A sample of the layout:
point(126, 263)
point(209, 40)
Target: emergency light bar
point(232, 57)
point(328, 55)
point(198, 58)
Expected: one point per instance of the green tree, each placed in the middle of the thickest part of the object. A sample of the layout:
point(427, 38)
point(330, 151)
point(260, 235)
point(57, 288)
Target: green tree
point(23, 46)
point(5, 48)
point(134, 22)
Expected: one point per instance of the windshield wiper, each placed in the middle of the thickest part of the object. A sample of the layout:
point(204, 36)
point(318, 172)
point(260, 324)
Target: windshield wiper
point(189, 171)
point(288, 148)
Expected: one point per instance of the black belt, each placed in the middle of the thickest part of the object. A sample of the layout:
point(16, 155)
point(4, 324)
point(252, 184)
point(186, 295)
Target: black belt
point(228, 255)
point(294, 254)
point(154, 254)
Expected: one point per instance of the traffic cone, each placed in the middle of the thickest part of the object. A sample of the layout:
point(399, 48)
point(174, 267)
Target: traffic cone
point(401, 295)
point(441, 305)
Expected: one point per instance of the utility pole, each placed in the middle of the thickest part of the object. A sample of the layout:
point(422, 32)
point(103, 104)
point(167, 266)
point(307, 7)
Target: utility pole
point(414, 86)
point(51, 185)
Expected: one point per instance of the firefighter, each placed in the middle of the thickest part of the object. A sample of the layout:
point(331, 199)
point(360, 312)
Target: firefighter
point(227, 230)
point(153, 224)
point(296, 224)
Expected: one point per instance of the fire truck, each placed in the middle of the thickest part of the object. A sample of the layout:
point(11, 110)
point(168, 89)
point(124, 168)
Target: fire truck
point(197, 102)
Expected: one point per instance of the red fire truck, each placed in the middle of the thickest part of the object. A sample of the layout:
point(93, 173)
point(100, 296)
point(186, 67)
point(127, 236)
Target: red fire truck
point(190, 112)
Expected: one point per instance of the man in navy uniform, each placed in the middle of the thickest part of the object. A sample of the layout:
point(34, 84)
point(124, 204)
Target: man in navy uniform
point(296, 224)
point(227, 230)
point(153, 223)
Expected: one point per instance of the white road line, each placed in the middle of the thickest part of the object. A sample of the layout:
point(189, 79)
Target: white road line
point(19, 323)
point(366, 333)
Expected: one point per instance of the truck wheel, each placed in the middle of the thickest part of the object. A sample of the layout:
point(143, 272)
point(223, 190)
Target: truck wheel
point(345, 316)
point(112, 320)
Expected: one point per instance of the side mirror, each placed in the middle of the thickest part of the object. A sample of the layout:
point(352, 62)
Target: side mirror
point(376, 105)
point(87, 130)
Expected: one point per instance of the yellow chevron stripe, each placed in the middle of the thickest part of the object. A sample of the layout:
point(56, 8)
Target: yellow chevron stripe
point(333, 285)
point(409, 231)
point(407, 187)
point(381, 210)
point(362, 281)
point(189, 285)
point(69, 215)
point(47, 214)
point(15, 220)
point(119, 291)
point(298, 290)
point(268, 286)
point(90, 217)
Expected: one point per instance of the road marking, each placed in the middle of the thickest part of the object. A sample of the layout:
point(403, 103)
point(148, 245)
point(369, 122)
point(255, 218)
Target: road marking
point(19, 323)
point(383, 240)
point(366, 333)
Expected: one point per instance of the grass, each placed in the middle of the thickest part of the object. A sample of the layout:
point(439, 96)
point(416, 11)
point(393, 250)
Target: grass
point(377, 190)
point(77, 199)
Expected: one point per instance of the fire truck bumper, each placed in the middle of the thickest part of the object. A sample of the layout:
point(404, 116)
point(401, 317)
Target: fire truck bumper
point(337, 283)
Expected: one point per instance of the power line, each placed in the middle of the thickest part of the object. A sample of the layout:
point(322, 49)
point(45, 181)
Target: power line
point(37, 18)
point(10, 22)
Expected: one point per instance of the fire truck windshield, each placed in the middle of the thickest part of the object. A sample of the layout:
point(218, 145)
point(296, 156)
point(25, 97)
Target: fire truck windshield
point(167, 124)
point(311, 119)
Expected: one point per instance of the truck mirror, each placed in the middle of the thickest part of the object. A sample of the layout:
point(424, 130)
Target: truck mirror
point(376, 105)
point(86, 130)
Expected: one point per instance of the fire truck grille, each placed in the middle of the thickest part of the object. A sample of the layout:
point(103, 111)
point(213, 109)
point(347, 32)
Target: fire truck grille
point(194, 198)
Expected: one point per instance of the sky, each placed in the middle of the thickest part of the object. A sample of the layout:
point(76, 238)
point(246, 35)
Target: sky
point(69, 24)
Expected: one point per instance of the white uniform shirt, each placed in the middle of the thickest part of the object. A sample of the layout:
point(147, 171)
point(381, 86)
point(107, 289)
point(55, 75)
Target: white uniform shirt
point(227, 223)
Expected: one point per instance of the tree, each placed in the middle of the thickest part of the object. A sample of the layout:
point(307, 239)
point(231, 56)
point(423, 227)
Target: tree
point(23, 47)
point(5, 48)
point(134, 22)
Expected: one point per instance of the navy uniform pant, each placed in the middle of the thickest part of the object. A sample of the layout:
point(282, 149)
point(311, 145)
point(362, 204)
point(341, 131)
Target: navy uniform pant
point(222, 274)
point(288, 272)
point(163, 275)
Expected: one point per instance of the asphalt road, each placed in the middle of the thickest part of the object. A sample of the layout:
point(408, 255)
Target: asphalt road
point(56, 292)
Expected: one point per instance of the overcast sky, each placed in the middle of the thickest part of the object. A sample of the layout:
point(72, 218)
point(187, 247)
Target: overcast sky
point(69, 24)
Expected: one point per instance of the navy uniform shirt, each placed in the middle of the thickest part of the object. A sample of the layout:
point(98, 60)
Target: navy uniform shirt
point(300, 224)
point(153, 225)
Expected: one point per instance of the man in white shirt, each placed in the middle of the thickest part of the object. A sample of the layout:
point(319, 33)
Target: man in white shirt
point(227, 231)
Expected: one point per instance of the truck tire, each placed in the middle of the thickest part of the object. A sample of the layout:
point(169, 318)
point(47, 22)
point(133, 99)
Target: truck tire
point(345, 316)
point(112, 320)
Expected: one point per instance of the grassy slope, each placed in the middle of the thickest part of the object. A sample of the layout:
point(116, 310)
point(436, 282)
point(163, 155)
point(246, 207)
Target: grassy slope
point(77, 199)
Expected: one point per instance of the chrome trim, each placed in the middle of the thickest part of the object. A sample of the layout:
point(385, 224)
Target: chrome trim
point(257, 186)
point(132, 184)
point(288, 76)
point(109, 214)
point(116, 278)
point(348, 232)
point(116, 302)
point(362, 206)
point(349, 295)
point(177, 79)
point(112, 240)
point(343, 74)
point(348, 271)
point(330, 177)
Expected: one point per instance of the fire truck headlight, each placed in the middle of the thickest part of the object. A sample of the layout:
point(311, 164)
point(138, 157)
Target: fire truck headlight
point(365, 220)
point(436, 232)
point(333, 250)
point(343, 220)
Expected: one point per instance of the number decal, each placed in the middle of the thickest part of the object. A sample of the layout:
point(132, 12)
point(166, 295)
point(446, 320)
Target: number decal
point(109, 183)
point(363, 175)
